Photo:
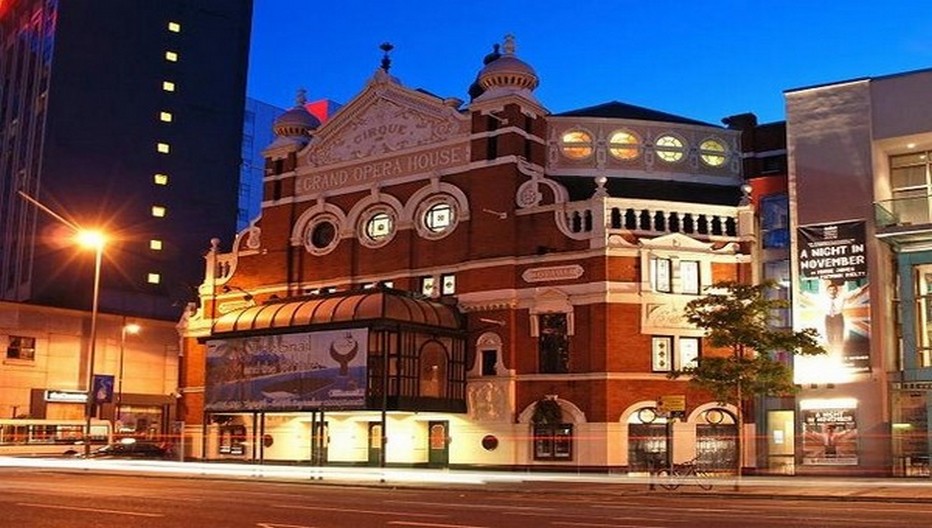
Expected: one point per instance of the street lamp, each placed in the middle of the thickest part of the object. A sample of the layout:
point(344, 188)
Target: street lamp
point(96, 241)
point(131, 328)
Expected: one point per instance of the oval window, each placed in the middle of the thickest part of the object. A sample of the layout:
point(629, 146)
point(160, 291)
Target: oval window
point(624, 145)
point(712, 152)
point(577, 144)
point(669, 148)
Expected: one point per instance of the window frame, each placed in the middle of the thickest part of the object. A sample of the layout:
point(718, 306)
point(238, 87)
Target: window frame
point(658, 281)
point(615, 147)
point(21, 348)
point(670, 153)
point(548, 439)
point(706, 154)
point(569, 147)
point(693, 286)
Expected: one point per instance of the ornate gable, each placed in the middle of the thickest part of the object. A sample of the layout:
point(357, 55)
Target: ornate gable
point(387, 131)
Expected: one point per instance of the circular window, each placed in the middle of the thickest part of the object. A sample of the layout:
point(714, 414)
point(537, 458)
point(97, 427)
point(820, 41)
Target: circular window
point(712, 152)
point(489, 442)
point(577, 144)
point(624, 145)
point(377, 227)
point(669, 148)
point(439, 217)
point(321, 235)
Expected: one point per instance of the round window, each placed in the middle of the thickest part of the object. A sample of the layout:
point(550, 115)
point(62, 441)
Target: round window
point(439, 217)
point(712, 152)
point(624, 145)
point(323, 234)
point(669, 148)
point(577, 144)
point(489, 442)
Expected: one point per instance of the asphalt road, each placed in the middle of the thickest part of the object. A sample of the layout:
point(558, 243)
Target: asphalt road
point(39, 498)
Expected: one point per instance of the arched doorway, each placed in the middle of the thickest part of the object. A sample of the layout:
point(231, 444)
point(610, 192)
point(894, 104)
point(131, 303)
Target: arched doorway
point(648, 440)
point(716, 439)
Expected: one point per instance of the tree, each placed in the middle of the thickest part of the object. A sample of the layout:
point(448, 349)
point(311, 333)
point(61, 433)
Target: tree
point(737, 317)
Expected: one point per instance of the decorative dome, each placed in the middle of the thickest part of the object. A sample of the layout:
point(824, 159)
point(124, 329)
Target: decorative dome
point(508, 71)
point(296, 122)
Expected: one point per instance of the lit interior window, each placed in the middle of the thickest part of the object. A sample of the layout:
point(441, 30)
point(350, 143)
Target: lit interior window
point(624, 145)
point(379, 226)
point(712, 152)
point(160, 179)
point(577, 144)
point(166, 117)
point(174, 27)
point(168, 86)
point(669, 148)
point(155, 245)
point(427, 286)
point(154, 278)
point(158, 211)
point(171, 56)
point(439, 217)
point(163, 148)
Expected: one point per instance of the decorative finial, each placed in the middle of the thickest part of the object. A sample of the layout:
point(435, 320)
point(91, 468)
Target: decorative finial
point(301, 97)
point(386, 61)
point(509, 46)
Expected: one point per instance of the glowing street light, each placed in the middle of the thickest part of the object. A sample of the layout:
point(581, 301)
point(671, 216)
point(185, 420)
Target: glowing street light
point(95, 240)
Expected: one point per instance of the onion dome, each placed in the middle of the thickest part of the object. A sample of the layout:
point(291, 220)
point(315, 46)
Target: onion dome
point(296, 122)
point(508, 71)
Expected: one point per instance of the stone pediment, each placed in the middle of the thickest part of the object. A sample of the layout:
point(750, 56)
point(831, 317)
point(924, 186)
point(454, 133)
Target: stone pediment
point(385, 119)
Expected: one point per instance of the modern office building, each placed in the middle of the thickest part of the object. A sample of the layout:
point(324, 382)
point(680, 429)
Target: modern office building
point(125, 116)
point(480, 284)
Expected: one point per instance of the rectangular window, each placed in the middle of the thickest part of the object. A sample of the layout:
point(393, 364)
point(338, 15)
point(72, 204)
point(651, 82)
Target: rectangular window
point(163, 148)
point(661, 352)
point(153, 278)
point(553, 441)
point(911, 185)
point(774, 221)
point(553, 343)
point(174, 27)
point(778, 271)
point(155, 245)
point(160, 179)
point(19, 347)
point(689, 277)
point(388, 284)
point(158, 211)
point(923, 293)
point(660, 274)
point(428, 285)
point(489, 360)
point(168, 86)
point(447, 284)
point(171, 56)
point(165, 117)
point(688, 353)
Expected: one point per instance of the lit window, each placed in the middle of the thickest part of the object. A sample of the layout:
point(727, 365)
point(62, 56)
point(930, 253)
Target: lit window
point(19, 347)
point(447, 284)
point(168, 86)
point(428, 284)
point(164, 148)
point(155, 245)
point(171, 56)
point(577, 144)
point(688, 353)
point(553, 343)
point(158, 211)
point(160, 179)
point(689, 276)
point(660, 274)
point(669, 148)
point(439, 217)
point(379, 226)
point(166, 117)
point(712, 152)
point(624, 145)
point(153, 278)
point(174, 27)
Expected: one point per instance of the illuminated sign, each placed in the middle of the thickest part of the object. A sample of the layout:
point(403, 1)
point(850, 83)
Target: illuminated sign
point(65, 396)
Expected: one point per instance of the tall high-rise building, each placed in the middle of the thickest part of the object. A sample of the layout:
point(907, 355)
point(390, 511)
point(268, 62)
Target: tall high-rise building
point(126, 116)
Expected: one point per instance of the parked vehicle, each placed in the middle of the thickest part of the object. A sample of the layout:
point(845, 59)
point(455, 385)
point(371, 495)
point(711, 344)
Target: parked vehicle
point(131, 448)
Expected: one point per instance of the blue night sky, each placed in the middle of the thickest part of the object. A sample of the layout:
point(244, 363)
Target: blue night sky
point(704, 60)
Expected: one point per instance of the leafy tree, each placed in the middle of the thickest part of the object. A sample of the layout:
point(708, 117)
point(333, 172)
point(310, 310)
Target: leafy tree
point(736, 317)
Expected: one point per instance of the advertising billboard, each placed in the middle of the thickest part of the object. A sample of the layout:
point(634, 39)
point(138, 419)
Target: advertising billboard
point(834, 299)
point(305, 371)
point(830, 437)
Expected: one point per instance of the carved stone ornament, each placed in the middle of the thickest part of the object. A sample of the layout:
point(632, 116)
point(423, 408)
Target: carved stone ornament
point(665, 316)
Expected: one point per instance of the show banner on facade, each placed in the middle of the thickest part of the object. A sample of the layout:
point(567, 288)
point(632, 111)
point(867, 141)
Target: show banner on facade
point(307, 371)
point(830, 437)
point(834, 299)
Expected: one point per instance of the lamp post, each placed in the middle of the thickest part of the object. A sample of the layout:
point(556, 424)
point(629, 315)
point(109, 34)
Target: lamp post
point(131, 328)
point(95, 240)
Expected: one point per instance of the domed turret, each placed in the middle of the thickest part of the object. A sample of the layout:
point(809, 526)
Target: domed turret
point(296, 122)
point(475, 90)
point(508, 71)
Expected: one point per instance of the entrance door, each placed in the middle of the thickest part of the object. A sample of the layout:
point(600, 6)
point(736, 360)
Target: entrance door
point(438, 452)
point(648, 446)
point(375, 443)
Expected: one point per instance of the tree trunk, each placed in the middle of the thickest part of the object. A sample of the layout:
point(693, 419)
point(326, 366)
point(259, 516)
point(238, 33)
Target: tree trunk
point(739, 440)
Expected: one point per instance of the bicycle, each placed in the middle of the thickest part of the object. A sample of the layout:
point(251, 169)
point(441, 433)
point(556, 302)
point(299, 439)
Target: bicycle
point(677, 474)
